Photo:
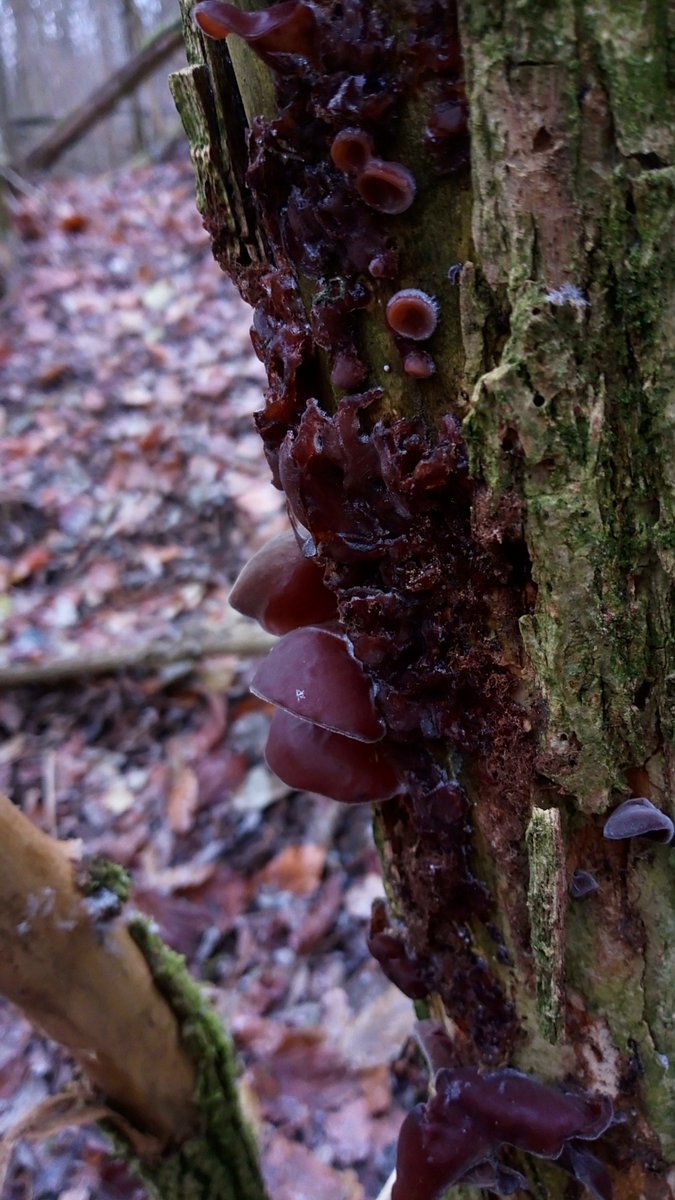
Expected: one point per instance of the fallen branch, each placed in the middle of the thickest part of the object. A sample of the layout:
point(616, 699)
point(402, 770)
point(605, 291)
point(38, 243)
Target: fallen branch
point(239, 640)
point(104, 98)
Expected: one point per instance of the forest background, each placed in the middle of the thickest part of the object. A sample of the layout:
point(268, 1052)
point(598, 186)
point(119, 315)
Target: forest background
point(133, 488)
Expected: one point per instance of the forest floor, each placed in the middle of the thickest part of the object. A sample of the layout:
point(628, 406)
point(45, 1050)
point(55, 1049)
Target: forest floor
point(133, 488)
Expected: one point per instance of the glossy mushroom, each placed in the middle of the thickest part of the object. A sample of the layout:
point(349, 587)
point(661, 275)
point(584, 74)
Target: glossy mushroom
point(412, 314)
point(583, 884)
point(418, 364)
point(313, 674)
point(471, 1115)
point(639, 818)
point(387, 187)
point(282, 589)
point(287, 28)
point(311, 759)
point(351, 149)
point(412, 975)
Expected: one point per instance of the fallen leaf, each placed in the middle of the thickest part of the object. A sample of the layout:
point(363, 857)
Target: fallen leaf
point(295, 869)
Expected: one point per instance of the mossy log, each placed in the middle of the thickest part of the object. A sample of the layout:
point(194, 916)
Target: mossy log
point(525, 633)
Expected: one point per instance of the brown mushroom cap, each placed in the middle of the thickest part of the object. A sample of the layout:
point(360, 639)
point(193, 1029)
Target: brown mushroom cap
point(351, 149)
point(282, 589)
point(315, 760)
point(387, 187)
point(412, 314)
point(313, 674)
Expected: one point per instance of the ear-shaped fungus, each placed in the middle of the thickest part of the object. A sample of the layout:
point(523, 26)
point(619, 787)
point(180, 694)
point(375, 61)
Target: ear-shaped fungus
point(464, 1124)
point(315, 760)
point(282, 589)
point(313, 674)
point(418, 364)
point(412, 314)
point(411, 974)
point(288, 28)
point(387, 187)
point(639, 818)
point(351, 149)
point(583, 884)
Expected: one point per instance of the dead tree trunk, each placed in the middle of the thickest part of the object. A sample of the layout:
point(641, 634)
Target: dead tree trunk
point(492, 504)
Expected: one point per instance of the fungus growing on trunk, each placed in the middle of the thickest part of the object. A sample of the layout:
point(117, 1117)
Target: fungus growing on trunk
point(312, 759)
point(351, 149)
point(639, 818)
point(282, 589)
point(462, 1127)
point(418, 364)
point(288, 28)
point(387, 187)
point(412, 314)
point(583, 884)
point(412, 975)
point(312, 674)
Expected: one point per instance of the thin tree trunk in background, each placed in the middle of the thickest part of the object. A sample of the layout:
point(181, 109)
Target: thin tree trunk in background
point(133, 38)
point(103, 100)
point(548, 589)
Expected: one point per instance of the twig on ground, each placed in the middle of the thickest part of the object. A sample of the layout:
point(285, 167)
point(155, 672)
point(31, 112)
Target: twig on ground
point(239, 640)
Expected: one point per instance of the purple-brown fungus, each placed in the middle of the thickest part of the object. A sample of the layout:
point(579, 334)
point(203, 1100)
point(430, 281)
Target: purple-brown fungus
point(462, 1127)
point(639, 818)
point(313, 674)
point(418, 364)
point(287, 28)
point(311, 759)
point(387, 187)
point(351, 149)
point(412, 314)
point(411, 974)
point(282, 589)
point(583, 884)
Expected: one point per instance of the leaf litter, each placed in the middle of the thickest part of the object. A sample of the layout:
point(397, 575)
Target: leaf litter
point(133, 490)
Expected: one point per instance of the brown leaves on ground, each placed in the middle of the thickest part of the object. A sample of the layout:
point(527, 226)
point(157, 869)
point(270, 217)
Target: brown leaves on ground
point(133, 489)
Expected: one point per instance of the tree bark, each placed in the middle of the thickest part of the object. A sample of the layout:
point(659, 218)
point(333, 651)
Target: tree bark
point(97, 105)
point(108, 990)
point(521, 644)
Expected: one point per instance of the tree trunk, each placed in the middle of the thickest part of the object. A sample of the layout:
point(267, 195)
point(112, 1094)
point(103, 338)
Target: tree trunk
point(515, 617)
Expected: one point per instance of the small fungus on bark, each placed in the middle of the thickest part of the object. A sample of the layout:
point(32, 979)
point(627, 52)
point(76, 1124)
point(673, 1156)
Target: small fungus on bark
point(282, 589)
point(312, 759)
point(418, 364)
point(313, 674)
point(387, 187)
point(583, 884)
point(471, 1115)
point(351, 149)
point(283, 29)
point(411, 974)
point(638, 817)
point(413, 314)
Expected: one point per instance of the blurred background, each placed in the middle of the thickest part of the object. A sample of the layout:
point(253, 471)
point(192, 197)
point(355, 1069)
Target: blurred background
point(54, 53)
point(132, 490)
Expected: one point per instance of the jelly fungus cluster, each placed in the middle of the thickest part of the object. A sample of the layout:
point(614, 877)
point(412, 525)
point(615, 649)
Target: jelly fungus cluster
point(456, 1136)
point(384, 595)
